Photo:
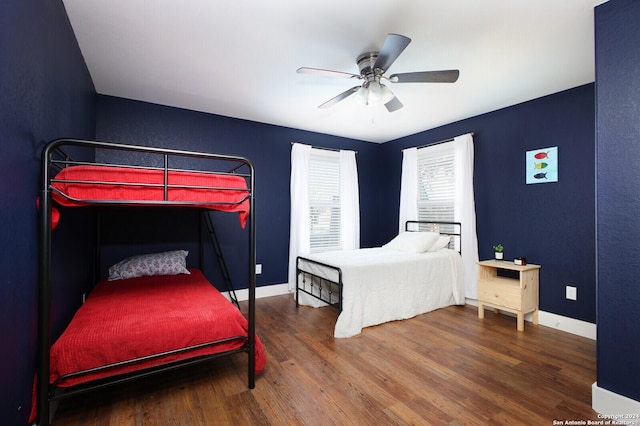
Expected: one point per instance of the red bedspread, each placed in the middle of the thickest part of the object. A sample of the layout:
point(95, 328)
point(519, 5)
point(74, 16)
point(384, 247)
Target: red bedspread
point(136, 317)
point(234, 197)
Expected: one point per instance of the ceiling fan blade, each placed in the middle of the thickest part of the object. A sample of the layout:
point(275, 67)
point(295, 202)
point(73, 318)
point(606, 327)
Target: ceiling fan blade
point(326, 73)
point(447, 76)
point(393, 105)
point(342, 96)
point(393, 46)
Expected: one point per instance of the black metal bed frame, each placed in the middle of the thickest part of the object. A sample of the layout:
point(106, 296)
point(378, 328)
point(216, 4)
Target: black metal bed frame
point(46, 393)
point(324, 289)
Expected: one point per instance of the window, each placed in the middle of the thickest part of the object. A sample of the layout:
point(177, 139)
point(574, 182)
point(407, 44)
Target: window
point(325, 206)
point(436, 183)
point(324, 201)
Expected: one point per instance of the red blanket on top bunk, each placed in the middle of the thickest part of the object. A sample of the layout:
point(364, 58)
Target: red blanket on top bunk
point(83, 184)
point(136, 317)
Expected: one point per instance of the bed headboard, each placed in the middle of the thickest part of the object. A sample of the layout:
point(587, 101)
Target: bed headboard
point(452, 229)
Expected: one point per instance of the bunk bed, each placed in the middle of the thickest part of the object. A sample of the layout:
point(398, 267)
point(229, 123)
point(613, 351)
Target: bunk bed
point(184, 319)
point(420, 270)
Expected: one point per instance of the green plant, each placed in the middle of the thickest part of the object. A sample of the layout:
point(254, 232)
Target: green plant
point(498, 248)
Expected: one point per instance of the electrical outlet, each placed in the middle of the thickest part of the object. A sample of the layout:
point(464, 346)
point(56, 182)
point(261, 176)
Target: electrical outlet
point(572, 292)
point(258, 268)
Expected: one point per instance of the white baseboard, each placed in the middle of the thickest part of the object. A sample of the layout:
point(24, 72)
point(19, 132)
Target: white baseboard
point(570, 325)
point(559, 322)
point(612, 405)
point(262, 291)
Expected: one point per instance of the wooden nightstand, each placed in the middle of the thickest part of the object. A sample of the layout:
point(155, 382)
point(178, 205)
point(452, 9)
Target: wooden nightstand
point(517, 292)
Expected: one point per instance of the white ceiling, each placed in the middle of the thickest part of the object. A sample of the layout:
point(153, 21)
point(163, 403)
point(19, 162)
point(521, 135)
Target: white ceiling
point(239, 58)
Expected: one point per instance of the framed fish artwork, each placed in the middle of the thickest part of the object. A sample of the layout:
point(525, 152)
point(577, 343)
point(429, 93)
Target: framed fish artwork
point(542, 165)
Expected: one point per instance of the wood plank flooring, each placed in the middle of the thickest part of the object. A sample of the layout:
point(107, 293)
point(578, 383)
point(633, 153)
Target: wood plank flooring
point(445, 367)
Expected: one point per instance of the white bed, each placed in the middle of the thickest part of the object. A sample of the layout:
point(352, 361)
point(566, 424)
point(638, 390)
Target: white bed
point(382, 284)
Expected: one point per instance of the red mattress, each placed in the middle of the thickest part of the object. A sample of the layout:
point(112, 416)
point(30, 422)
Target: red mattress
point(121, 186)
point(137, 317)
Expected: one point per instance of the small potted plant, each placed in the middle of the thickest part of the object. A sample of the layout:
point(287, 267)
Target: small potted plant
point(499, 251)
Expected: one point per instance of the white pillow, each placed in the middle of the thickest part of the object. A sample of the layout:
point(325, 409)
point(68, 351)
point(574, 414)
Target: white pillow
point(146, 265)
point(441, 242)
point(413, 242)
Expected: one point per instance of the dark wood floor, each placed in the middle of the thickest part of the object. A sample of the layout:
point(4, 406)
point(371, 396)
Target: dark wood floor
point(445, 367)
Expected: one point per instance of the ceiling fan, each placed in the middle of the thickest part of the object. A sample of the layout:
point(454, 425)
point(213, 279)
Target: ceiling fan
point(372, 67)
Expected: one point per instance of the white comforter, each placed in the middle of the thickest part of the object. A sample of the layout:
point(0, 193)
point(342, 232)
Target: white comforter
point(383, 285)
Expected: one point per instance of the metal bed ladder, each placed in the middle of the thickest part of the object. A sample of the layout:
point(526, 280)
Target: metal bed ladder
point(223, 265)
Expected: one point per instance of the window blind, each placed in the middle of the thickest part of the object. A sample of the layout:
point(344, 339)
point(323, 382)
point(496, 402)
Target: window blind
point(324, 201)
point(436, 183)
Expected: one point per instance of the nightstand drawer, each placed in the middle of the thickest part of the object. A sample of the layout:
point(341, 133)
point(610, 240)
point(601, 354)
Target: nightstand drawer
point(505, 294)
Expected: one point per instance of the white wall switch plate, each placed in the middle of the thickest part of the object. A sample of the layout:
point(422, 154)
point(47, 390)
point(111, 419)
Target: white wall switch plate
point(572, 293)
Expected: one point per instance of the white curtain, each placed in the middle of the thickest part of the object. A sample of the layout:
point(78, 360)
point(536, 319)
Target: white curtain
point(299, 232)
point(465, 211)
point(464, 204)
point(408, 188)
point(299, 225)
point(349, 201)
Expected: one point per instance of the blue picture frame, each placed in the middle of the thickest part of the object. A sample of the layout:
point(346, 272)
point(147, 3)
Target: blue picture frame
point(542, 165)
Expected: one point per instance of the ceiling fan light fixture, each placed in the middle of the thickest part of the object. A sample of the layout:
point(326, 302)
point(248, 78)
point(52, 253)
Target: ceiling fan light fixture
point(386, 95)
point(374, 93)
point(362, 95)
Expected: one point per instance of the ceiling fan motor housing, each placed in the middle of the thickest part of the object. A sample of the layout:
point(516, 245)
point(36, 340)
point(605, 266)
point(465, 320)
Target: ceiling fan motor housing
point(366, 63)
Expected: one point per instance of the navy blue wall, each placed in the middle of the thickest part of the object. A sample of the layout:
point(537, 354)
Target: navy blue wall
point(46, 92)
point(269, 149)
point(618, 195)
point(551, 224)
